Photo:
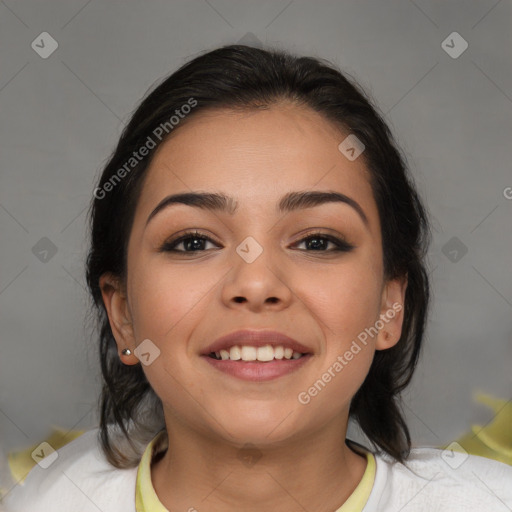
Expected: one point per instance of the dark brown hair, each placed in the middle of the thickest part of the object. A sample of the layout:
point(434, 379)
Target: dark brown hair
point(244, 77)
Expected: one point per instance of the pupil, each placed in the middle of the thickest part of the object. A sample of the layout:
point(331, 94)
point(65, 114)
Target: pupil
point(317, 243)
point(195, 243)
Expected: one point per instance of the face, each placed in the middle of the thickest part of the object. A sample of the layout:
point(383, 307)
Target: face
point(312, 271)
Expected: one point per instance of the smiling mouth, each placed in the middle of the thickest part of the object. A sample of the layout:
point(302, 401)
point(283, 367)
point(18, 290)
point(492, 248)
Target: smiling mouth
point(264, 354)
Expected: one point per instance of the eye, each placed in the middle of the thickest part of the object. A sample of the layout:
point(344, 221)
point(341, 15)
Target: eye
point(194, 241)
point(319, 242)
point(191, 241)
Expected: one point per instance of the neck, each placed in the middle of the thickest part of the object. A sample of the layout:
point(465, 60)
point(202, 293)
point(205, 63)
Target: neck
point(316, 472)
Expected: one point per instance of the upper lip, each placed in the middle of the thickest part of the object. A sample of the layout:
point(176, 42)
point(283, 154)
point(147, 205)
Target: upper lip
point(255, 338)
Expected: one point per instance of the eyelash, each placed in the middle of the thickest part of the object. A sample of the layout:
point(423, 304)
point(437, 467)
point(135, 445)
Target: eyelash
point(341, 245)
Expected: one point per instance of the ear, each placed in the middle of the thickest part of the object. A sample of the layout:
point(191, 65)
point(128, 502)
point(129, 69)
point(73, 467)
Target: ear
point(391, 313)
point(116, 304)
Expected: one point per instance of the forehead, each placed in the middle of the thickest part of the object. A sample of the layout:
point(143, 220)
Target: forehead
point(256, 156)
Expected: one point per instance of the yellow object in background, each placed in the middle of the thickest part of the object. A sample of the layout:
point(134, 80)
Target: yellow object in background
point(21, 462)
point(493, 440)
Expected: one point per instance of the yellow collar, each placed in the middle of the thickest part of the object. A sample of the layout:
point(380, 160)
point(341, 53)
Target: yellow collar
point(146, 499)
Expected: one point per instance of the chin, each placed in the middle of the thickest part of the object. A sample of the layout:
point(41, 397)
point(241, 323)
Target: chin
point(267, 428)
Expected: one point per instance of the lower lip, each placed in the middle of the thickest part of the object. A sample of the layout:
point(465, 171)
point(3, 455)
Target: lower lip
point(258, 371)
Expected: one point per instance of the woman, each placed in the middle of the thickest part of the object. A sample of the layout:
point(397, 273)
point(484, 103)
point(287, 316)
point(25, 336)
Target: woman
point(257, 261)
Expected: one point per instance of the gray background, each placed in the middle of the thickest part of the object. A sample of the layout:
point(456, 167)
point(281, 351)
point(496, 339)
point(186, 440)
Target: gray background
point(61, 117)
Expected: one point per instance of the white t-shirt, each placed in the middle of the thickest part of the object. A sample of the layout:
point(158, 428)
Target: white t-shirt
point(81, 480)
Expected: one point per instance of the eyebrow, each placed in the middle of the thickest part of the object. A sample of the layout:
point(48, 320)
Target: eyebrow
point(218, 202)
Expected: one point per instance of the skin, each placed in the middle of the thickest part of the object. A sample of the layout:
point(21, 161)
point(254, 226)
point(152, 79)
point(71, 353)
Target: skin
point(182, 302)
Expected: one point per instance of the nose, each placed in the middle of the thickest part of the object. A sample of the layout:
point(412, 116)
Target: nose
point(257, 285)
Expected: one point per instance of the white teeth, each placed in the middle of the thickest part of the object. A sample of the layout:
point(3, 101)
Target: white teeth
point(263, 354)
point(249, 353)
point(279, 352)
point(235, 353)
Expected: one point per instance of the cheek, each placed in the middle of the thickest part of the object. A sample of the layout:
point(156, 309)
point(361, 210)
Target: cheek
point(167, 300)
point(346, 298)
point(346, 304)
point(166, 307)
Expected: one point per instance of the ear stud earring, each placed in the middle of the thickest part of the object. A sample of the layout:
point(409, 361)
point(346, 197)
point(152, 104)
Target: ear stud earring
point(126, 351)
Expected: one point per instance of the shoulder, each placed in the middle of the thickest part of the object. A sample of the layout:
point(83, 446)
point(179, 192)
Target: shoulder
point(435, 480)
point(79, 478)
